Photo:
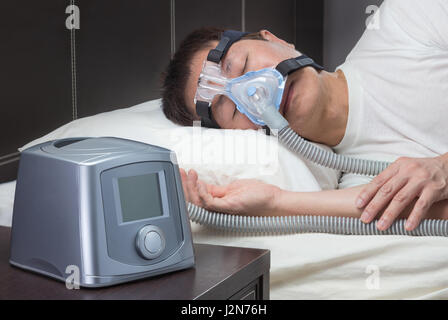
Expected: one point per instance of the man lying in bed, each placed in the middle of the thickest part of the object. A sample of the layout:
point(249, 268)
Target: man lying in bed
point(388, 100)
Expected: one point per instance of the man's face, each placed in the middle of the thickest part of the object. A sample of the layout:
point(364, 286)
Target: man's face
point(301, 89)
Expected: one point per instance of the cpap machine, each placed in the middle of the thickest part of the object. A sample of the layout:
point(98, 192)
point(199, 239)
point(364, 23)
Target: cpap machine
point(111, 208)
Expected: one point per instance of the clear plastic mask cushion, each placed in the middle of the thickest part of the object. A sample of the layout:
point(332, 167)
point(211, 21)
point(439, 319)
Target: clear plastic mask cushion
point(267, 85)
point(255, 91)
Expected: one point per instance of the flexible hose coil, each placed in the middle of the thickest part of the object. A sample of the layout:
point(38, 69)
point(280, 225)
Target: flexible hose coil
point(328, 159)
point(309, 224)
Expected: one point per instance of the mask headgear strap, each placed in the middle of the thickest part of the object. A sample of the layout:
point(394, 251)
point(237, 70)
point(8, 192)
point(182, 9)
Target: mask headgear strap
point(228, 38)
point(288, 66)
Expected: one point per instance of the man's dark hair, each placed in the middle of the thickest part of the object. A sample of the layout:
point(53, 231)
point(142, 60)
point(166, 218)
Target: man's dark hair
point(178, 71)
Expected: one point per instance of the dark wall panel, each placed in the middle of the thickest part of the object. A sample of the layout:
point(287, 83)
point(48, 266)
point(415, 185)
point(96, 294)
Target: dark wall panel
point(309, 28)
point(35, 71)
point(9, 167)
point(122, 47)
point(193, 14)
point(344, 24)
point(277, 16)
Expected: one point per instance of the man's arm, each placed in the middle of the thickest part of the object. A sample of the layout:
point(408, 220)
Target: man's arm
point(256, 198)
point(338, 203)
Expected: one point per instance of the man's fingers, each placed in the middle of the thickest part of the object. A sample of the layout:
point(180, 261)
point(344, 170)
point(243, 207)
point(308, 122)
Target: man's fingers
point(369, 191)
point(183, 176)
point(421, 207)
point(398, 204)
point(210, 202)
point(205, 195)
point(382, 198)
point(192, 180)
point(217, 191)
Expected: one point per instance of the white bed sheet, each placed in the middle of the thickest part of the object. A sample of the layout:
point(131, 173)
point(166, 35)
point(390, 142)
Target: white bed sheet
point(323, 266)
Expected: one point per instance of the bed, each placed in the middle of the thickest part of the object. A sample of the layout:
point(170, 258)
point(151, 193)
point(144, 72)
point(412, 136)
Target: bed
point(303, 266)
point(323, 266)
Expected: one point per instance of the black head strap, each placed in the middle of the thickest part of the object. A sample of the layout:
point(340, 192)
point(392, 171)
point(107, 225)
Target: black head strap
point(204, 111)
point(288, 66)
point(228, 38)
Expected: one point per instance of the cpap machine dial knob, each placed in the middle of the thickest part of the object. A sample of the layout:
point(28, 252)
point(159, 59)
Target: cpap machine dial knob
point(150, 242)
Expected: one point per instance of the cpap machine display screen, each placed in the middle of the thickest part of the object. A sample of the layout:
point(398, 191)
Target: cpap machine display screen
point(140, 197)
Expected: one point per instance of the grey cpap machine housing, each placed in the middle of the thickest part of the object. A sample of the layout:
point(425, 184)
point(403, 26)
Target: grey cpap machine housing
point(113, 208)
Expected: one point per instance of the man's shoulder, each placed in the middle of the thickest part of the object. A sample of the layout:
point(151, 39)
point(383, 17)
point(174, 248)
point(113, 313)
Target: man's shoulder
point(424, 21)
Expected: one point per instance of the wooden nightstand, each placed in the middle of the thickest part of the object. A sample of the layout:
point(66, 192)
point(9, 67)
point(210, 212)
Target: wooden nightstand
point(220, 273)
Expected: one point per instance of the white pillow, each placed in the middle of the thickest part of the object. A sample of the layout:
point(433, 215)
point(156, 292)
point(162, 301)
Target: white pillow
point(219, 156)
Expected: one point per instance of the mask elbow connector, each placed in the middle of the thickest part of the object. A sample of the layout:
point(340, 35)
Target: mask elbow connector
point(274, 120)
point(266, 109)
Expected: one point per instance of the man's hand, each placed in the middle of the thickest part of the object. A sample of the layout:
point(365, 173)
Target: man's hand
point(404, 181)
point(243, 197)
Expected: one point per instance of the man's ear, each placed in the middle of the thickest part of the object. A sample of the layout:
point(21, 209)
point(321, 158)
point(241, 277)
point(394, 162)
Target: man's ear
point(269, 36)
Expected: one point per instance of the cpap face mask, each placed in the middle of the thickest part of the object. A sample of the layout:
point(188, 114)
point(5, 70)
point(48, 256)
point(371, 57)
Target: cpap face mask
point(252, 92)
